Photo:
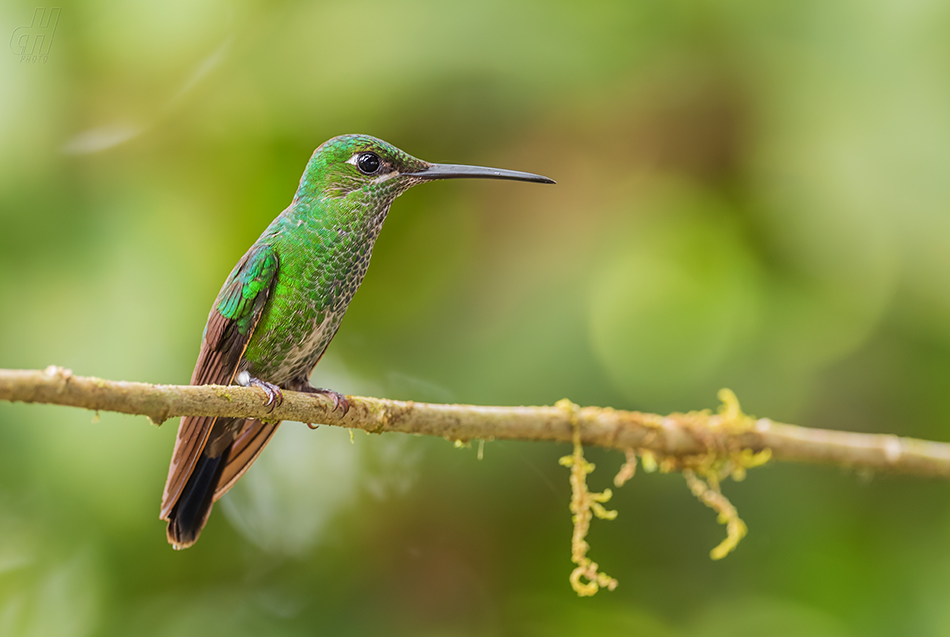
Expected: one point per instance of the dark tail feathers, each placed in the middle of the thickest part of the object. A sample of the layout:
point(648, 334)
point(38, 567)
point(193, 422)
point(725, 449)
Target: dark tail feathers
point(190, 513)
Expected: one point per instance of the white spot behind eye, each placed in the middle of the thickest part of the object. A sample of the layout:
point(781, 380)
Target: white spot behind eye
point(386, 176)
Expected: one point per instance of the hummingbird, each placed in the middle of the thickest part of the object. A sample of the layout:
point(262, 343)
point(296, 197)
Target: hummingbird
point(283, 303)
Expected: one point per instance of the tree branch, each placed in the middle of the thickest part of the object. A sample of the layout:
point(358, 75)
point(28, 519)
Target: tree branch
point(676, 436)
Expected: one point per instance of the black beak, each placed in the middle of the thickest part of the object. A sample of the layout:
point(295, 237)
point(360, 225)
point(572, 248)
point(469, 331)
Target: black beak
point(457, 171)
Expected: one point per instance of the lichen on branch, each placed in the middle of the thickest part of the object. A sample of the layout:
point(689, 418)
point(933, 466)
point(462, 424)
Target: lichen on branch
point(586, 578)
point(703, 472)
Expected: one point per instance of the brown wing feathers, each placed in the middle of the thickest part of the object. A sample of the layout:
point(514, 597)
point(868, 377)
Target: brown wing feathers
point(217, 363)
point(222, 347)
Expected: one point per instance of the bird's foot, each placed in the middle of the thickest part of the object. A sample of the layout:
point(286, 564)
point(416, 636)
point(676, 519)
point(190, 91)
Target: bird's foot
point(339, 400)
point(275, 397)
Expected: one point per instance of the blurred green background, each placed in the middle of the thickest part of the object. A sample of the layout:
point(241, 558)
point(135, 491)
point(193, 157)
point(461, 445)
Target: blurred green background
point(750, 194)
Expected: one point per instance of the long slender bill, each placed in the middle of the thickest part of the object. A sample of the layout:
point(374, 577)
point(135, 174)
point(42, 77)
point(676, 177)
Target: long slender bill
point(458, 171)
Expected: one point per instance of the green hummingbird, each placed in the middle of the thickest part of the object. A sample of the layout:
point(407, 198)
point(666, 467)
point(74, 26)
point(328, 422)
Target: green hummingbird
point(282, 304)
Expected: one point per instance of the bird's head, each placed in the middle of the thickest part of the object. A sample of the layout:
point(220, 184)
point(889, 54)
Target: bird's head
point(368, 167)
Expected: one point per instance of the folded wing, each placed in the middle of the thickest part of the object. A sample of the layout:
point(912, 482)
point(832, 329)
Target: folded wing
point(230, 327)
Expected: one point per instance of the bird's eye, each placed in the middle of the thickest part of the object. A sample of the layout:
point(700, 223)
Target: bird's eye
point(368, 163)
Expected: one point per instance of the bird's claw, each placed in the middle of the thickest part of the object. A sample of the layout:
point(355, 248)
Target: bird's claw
point(275, 398)
point(339, 400)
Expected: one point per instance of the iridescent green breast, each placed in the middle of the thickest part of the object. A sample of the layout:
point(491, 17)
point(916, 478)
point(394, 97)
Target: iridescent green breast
point(323, 256)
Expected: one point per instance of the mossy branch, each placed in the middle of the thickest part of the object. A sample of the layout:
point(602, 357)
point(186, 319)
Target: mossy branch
point(705, 447)
point(677, 435)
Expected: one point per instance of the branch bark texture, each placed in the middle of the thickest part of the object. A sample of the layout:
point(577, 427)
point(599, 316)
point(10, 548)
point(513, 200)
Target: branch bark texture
point(678, 435)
